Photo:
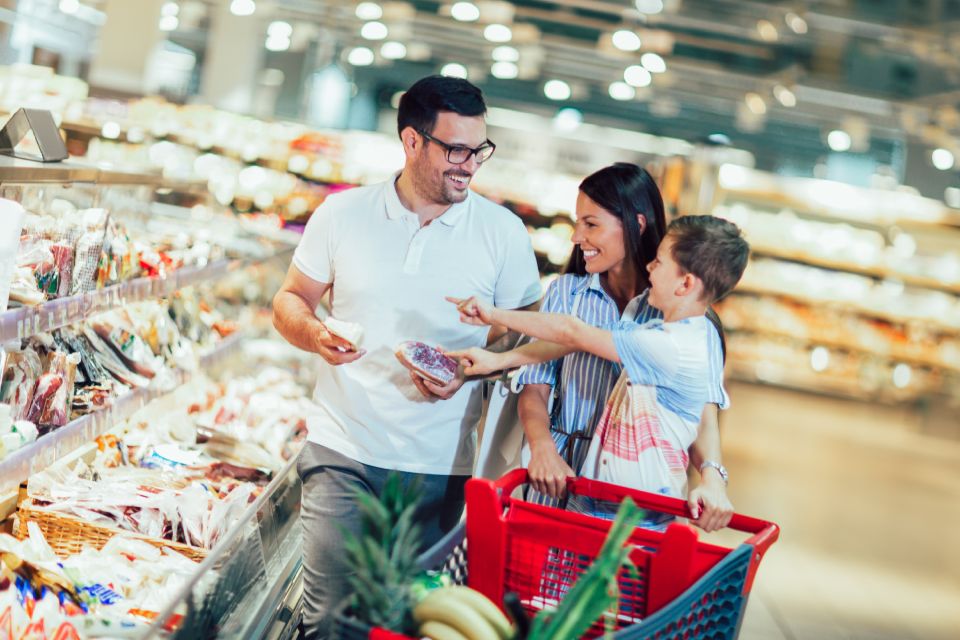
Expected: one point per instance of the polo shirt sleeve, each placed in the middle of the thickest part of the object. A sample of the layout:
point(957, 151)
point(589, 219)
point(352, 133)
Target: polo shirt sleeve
point(545, 372)
point(314, 254)
point(648, 353)
point(518, 282)
point(717, 393)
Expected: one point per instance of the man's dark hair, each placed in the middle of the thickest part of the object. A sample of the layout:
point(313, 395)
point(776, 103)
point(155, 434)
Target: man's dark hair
point(712, 249)
point(626, 190)
point(421, 103)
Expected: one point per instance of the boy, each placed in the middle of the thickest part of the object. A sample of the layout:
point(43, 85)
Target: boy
point(653, 414)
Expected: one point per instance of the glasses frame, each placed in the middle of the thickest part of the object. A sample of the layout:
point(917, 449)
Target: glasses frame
point(450, 148)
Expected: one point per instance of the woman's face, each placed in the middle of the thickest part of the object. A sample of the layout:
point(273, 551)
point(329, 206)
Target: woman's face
point(599, 234)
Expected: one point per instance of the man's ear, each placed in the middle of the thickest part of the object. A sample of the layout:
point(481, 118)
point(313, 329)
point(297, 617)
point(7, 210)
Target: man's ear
point(411, 141)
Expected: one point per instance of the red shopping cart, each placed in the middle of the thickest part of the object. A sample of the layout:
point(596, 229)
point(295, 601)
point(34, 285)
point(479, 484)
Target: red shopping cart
point(683, 587)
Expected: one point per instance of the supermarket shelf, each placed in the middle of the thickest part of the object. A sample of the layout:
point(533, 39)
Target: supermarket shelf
point(19, 171)
point(16, 324)
point(850, 307)
point(47, 449)
point(851, 267)
point(895, 354)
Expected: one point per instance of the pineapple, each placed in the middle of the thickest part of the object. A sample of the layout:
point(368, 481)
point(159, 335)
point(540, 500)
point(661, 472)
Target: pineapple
point(384, 556)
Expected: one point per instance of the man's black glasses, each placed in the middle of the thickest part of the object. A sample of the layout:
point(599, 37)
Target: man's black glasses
point(458, 154)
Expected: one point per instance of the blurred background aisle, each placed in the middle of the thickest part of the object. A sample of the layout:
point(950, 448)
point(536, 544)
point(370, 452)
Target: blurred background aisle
point(868, 506)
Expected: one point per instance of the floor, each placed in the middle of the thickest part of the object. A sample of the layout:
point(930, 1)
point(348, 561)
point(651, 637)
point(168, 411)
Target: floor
point(868, 505)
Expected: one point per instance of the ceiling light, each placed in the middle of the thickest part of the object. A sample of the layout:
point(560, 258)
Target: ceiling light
point(653, 63)
point(279, 29)
point(767, 31)
point(277, 43)
point(243, 7)
point(393, 50)
point(360, 57)
point(568, 119)
point(622, 91)
point(626, 40)
point(369, 11)
point(506, 53)
point(796, 23)
point(942, 159)
point(755, 103)
point(69, 7)
point(454, 70)
point(637, 76)
point(649, 6)
point(373, 31)
point(504, 70)
point(498, 33)
point(719, 139)
point(168, 8)
point(168, 23)
point(465, 12)
point(784, 96)
point(839, 140)
point(556, 90)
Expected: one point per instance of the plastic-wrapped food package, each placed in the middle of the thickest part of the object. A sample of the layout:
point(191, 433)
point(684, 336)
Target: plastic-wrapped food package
point(89, 247)
point(20, 377)
point(12, 214)
point(56, 412)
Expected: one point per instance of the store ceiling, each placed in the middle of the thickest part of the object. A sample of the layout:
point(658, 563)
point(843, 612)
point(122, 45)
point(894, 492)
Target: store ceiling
point(872, 67)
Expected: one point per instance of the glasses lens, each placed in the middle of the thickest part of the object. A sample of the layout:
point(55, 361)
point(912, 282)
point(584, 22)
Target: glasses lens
point(458, 155)
point(484, 154)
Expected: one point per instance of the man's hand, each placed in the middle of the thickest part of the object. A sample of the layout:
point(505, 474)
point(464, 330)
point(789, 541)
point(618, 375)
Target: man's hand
point(473, 311)
point(433, 391)
point(709, 504)
point(548, 472)
point(476, 361)
point(334, 349)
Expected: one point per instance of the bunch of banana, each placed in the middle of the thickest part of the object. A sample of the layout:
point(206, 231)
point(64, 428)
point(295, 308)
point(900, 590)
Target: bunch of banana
point(460, 613)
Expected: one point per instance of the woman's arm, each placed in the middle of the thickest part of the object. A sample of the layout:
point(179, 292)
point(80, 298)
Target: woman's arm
point(710, 495)
point(547, 470)
point(560, 328)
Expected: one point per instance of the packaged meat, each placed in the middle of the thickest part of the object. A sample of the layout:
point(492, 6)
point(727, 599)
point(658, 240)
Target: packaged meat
point(19, 381)
point(63, 259)
point(56, 411)
point(426, 361)
point(349, 331)
point(47, 386)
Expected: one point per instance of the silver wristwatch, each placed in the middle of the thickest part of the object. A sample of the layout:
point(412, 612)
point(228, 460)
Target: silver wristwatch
point(722, 470)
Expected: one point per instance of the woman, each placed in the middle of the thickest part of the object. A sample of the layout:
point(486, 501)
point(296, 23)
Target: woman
point(620, 222)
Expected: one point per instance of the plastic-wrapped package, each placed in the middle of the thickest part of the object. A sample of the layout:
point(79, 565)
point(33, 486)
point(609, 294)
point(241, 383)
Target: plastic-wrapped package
point(20, 377)
point(89, 248)
point(63, 259)
point(56, 412)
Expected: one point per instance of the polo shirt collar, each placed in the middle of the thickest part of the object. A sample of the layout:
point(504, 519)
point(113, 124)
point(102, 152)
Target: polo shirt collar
point(396, 210)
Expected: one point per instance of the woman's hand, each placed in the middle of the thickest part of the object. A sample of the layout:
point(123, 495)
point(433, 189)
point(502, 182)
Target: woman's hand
point(476, 361)
point(548, 471)
point(473, 311)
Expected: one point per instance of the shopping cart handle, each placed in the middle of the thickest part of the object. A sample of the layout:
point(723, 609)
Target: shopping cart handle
point(765, 533)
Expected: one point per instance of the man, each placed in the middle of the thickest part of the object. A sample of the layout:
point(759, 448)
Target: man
point(389, 254)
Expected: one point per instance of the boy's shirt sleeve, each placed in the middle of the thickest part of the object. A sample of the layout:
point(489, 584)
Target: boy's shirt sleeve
point(545, 372)
point(717, 392)
point(648, 353)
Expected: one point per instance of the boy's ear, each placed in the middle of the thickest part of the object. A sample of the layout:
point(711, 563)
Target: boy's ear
point(689, 284)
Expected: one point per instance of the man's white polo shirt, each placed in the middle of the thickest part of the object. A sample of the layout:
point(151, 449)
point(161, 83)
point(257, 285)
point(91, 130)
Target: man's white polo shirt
point(391, 276)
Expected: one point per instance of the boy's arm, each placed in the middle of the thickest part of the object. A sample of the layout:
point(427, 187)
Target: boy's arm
point(480, 362)
point(710, 495)
point(560, 328)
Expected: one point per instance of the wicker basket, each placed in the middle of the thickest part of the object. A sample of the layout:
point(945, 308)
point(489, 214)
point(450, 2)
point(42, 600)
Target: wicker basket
point(67, 535)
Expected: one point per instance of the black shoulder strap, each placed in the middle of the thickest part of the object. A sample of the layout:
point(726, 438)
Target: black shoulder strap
point(715, 320)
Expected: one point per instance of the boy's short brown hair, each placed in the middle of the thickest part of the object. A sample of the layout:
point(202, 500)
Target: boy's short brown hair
point(712, 249)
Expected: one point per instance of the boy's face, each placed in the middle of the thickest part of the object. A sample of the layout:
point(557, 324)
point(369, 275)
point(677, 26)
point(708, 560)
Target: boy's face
point(666, 277)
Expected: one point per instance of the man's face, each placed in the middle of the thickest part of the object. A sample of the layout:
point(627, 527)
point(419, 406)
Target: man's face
point(665, 275)
point(436, 179)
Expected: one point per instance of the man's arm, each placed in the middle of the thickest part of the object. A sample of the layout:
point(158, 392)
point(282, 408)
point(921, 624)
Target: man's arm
point(294, 317)
point(710, 495)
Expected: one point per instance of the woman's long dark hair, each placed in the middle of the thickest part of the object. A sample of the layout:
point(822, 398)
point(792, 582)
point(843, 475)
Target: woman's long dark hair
point(626, 190)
